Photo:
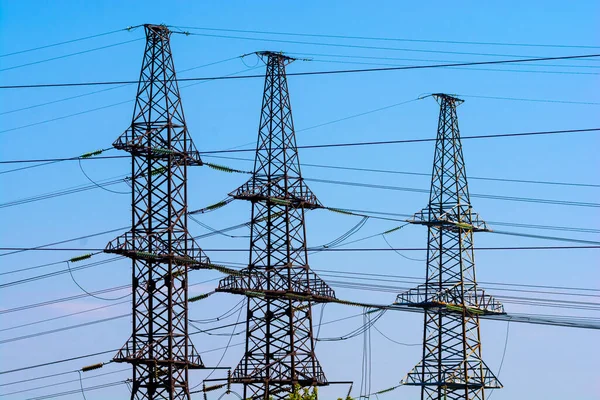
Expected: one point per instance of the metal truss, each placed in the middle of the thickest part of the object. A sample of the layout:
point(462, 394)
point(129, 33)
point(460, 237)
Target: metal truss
point(278, 282)
point(452, 367)
point(158, 244)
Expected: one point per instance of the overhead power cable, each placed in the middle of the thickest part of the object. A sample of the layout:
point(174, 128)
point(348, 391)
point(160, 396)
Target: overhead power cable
point(476, 68)
point(63, 382)
point(73, 239)
point(387, 142)
point(67, 42)
point(483, 196)
point(334, 249)
point(64, 360)
point(348, 144)
point(59, 272)
point(81, 296)
point(579, 305)
point(370, 57)
point(530, 100)
point(107, 89)
point(78, 391)
point(391, 39)
point(310, 73)
point(387, 171)
point(70, 54)
point(357, 46)
point(63, 316)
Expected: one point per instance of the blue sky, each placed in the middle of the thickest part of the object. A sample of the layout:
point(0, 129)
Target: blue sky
point(540, 361)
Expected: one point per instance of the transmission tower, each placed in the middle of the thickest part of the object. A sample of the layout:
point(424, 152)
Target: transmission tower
point(278, 282)
point(451, 367)
point(158, 244)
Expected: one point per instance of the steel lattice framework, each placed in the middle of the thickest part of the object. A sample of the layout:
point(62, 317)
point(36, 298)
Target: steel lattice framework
point(158, 243)
point(278, 282)
point(451, 367)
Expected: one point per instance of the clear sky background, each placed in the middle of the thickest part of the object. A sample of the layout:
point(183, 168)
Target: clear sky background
point(540, 361)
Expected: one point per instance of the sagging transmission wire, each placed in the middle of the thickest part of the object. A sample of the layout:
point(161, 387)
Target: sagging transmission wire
point(363, 57)
point(533, 71)
point(309, 73)
point(107, 89)
point(223, 316)
point(373, 308)
point(389, 39)
point(129, 28)
point(227, 346)
point(221, 232)
point(424, 174)
point(64, 316)
point(98, 185)
point(62, 117)
point(342, 238)
point(67, 270)
point(361, 286)
point(71, 54)
point(358, 331)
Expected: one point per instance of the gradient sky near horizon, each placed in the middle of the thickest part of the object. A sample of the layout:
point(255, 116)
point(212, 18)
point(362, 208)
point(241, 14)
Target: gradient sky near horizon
point(536, 361)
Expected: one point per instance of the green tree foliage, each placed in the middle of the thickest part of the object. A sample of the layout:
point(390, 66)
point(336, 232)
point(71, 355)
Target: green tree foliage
point(307, 394)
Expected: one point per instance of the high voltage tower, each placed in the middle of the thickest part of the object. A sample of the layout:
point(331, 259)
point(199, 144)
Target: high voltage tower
point(452, 367)
point(278, 282)
point(158, 244)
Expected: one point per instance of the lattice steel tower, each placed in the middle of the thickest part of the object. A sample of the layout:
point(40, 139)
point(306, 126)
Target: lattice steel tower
point(451, 367)
point(158, 244)
point(278, 281)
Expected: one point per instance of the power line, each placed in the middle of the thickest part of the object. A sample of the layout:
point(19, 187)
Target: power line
point(483, 196)
point(73, 239)
point(535, 301)
point(62, 300)
point(398, 278)
point(63, 382)
point(80, 296)
point(549, 322)
point(533, 71)
point(363, 57)
point(63, 329)
point(70, 54)
point(108, 89)
point(333, 249)
point(66, 42)
point(387, 171)
point(59, 272)
point(386, 142)
point(77, 391)
point(64, 360)
point(60, 159)
point(530, 100)
point(330, 145)
point(119, 103)
point(64, 316)
point(309, 73)
point(370, 213)
point(389, 39)
point(355, 46)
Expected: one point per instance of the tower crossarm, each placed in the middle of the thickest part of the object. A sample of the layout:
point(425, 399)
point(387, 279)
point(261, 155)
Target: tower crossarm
point(258, 282)
point(184, 251)
point(457, 217)
point(452, 376)
point(281, 191)
point(454, 299)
